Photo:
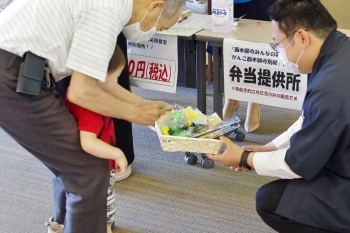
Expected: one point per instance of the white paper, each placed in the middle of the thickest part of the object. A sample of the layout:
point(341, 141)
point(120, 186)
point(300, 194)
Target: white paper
point(180, 31)
point(193, 24)
point(253, 73)
point(199, 21)
point(154, 64)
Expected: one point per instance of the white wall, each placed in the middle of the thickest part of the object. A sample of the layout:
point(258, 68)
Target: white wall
point(340, 10)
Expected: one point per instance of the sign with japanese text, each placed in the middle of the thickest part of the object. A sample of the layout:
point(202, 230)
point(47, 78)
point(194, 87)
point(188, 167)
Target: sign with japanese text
point(253, 73)
point(154, 64)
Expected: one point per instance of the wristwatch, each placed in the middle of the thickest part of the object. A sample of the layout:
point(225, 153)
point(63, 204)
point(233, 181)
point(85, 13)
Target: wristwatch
point(243, 163)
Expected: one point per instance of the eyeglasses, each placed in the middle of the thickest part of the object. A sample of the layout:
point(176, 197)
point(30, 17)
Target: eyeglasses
point(276, 47)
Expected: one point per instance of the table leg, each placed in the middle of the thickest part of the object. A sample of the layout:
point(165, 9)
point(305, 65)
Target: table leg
point(218, 80)
point(200, 76)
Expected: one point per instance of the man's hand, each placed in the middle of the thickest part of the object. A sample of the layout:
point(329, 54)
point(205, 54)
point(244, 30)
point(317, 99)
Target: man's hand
point(231, 156)
point(148, 113)
point(167, 107)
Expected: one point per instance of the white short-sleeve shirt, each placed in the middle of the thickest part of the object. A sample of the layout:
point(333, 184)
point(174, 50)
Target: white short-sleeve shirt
point(75, 35)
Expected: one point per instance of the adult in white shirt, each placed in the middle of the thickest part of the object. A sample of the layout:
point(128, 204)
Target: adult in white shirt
point(75, 37)
point(4, 4)
point(312, 158)
point(198, 7)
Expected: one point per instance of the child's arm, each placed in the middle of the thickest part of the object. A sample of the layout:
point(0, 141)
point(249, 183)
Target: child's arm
point(96, 147)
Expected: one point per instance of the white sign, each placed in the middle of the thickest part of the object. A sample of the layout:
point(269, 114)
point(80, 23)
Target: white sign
point(154, 64)
point(253, 73)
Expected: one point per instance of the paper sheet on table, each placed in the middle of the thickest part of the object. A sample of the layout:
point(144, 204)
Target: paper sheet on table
point(193, 24)
point(196, 21)
point(180, 31)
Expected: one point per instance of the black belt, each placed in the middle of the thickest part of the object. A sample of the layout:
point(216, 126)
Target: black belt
point(12, 58)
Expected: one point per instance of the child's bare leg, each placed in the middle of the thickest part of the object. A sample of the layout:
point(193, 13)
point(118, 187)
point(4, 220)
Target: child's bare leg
point(210, 68)
point(109, 229)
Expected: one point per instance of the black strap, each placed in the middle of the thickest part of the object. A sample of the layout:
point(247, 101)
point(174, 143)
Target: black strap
point(243, 163)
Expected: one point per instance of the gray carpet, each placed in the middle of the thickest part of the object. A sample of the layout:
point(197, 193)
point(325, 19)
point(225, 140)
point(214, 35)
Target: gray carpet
point(163, 194)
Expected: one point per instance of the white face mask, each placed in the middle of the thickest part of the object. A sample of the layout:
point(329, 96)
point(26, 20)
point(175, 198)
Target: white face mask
point(133, 31)
point(282, 55)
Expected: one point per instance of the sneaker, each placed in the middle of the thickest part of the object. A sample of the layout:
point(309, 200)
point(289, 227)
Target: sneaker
point(54, 227)
point(119, 177)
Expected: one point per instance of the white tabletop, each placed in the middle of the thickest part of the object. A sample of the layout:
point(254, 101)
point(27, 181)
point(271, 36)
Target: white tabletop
point(248, 30)
point(196, 21)
point(193, 24)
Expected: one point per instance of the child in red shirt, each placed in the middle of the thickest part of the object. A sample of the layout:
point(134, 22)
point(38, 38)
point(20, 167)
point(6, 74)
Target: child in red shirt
point(97, 135)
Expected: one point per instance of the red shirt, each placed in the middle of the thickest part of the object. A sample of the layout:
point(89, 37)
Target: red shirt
point(95, 123)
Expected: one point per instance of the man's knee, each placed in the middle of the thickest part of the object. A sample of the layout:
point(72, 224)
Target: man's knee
point(262, 199)
point(86, 194)
point(86, 180)
point(269, 195)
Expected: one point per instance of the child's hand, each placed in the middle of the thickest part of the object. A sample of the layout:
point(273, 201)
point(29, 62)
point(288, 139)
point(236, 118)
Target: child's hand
point(120, 165)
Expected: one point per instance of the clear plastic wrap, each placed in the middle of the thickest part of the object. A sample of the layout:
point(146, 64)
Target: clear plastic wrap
point(189, 122)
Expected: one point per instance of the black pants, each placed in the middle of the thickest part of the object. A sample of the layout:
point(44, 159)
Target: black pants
point(256, 9)
point(267, 200)
point(44, 127)
point(123, 129)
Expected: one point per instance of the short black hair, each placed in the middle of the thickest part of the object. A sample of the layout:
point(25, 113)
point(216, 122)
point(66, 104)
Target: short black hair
point(117, 60)
point(310, 15)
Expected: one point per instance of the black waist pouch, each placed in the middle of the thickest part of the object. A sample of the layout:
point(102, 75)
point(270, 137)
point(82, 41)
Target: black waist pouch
point(31, 74)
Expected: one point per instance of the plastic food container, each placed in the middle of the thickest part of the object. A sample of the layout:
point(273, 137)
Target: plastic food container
point(235, 22)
